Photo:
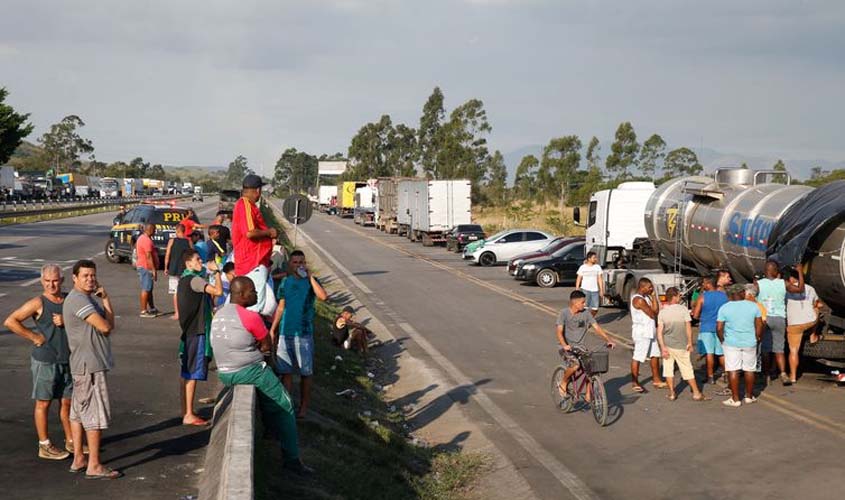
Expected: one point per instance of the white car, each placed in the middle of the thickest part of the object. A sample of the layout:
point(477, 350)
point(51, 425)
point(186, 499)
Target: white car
point(503, 246)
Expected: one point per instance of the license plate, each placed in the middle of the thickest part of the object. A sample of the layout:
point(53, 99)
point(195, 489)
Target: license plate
point(473, 238)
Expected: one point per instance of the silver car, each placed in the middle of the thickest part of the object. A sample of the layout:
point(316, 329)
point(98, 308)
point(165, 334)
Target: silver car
point(503, 246)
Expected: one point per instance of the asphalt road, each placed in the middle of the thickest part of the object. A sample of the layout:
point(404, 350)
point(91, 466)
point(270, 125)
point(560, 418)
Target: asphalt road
point(160, 457)
point(479, 325)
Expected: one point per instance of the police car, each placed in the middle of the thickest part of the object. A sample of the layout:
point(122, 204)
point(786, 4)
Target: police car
point(127, 227)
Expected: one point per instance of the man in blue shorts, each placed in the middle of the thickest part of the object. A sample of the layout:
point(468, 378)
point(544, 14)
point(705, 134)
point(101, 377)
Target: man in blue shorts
point(590, 281)
point(293, 326)
point(705, 310)
point(195, 296)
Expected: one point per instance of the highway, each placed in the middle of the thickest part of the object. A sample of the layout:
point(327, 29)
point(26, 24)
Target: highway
point(160, 457)
point(478, 325)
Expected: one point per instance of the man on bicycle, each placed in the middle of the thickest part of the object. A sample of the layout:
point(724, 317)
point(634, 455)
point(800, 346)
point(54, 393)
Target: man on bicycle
point(572, 325)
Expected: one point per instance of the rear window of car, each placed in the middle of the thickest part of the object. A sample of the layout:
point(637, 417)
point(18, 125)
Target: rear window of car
point(470, 228)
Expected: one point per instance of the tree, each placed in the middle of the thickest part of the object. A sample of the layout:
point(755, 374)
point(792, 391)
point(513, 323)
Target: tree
point(561, 158)
point(593, 158)
point(429, 132)
point(401, 151)
point(653, 150)
point(370, 149)
point(236, 172)
point(462, 146)
point(681, 162)
point(779, 166)
point(817, 173)
point(497, 179)
point(623, 151)
point(295, 171)
point(63, 144)
point(525, 179)
point(13, 128)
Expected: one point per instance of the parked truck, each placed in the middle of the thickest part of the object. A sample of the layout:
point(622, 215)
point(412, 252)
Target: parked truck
point(735, 221)
point(7, 182)
point(405, 190)
point(346, 207)
point(325, 195)
point(387, 203)
point(364, 211)
point(436, 207)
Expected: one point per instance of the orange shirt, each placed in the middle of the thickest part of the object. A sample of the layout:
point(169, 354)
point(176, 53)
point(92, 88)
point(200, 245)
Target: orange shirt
point(249, 254)
point(145, 246)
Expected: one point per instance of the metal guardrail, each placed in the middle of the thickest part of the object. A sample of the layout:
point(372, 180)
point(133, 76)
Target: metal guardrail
point(24, 209)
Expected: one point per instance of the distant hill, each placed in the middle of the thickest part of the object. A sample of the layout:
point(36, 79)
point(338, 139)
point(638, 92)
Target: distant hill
point(710, 158)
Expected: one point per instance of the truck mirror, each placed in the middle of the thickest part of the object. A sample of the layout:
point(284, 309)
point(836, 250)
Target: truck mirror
point(576, 215)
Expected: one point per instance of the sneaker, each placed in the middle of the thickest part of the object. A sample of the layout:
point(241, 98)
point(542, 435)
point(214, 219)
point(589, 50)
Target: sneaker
point(154, 310)
point(784, 379)
point(50, 452)
point(730, 402)
point(69, 447)
point(148, 314)
point(750, 400)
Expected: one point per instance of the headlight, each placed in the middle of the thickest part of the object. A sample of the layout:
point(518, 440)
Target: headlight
point(529, 267)
point(517, 262)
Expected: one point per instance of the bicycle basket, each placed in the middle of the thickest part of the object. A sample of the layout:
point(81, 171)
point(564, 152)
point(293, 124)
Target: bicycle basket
point(596, 362)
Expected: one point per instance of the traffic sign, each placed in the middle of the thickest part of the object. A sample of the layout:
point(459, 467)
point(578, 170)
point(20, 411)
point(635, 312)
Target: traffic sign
point(297, 209)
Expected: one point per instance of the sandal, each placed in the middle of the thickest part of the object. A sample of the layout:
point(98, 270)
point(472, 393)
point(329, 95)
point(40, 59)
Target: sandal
point(671, 397)
point(198, 422)
point(702, 398)
point(660, 385)
point(107, 474)
point(639, 389)
point(74, 470)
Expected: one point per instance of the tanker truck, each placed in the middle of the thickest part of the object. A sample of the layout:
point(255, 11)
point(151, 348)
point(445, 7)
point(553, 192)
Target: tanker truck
point(735, 221)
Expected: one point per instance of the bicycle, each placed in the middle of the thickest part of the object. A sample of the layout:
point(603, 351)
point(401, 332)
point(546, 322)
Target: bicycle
point(590, 367)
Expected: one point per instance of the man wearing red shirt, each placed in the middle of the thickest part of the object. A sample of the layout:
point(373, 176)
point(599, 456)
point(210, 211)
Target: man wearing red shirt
point(147, 265)
point(252, 240)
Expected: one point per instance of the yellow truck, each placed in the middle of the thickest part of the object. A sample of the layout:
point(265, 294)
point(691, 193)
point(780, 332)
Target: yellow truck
point(346, 206)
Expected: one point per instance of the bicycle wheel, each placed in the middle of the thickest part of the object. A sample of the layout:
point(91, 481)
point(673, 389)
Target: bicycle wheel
point(563, 403)
point(599, 401)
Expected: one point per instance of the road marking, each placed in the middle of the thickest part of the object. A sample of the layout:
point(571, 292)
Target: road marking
point(478, 281)
point(564, 475)
point(9, 258)
point(64, 268)
point(780, 405)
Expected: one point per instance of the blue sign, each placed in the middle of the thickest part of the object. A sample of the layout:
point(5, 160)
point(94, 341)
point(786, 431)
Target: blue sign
point(749, 232)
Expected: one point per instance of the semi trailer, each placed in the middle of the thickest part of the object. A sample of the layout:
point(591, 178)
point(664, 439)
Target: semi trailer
point(436, 207)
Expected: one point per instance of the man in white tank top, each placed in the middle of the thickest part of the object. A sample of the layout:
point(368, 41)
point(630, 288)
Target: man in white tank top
point(644, 309)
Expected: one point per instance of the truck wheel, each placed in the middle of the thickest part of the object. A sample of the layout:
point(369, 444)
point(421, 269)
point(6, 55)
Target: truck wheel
point(111, 253)
point(547, 278)
point(426, 240)
point(825, 349)
point(487, 259)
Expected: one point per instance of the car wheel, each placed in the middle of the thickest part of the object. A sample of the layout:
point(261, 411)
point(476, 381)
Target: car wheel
point(547, 278)
point(487, 259)
point(111, 252)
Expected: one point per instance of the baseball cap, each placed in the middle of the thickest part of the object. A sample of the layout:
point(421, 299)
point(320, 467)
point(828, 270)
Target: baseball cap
point(736, 288)
point(349, 309)
point(252, 181)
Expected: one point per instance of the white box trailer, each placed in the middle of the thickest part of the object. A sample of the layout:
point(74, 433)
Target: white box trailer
point(437, 207)
point(404, 194)
point(325, 195)
point(364, 212)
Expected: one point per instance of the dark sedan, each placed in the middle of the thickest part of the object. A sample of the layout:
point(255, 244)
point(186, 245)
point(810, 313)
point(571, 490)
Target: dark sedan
point(462, 235)
point(555, 245)
point(549, 270)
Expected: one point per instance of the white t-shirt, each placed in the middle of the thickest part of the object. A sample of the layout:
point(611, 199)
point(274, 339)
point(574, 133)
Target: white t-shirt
point(590, 275)
point(800, 308)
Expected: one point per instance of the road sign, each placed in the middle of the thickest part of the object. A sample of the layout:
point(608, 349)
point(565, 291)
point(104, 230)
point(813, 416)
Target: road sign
point(297, 209)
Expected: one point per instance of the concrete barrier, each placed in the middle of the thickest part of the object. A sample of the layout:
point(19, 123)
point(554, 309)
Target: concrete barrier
point(228, 473)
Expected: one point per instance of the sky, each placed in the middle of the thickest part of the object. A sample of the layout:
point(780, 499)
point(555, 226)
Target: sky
point(200, 82)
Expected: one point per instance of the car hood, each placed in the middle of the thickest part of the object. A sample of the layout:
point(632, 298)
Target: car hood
point(543, 260)
point(475, 245)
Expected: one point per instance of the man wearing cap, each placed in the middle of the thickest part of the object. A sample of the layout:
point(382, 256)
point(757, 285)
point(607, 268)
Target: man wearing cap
point(349, 334)
point(252, 240)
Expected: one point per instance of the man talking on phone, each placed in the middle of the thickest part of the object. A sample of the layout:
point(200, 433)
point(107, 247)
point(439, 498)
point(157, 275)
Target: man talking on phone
point(293, 326)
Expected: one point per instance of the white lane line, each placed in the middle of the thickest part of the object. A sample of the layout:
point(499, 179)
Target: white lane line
point(65, 268)
point(9, 258)
point(3, 295)
point(564, 475)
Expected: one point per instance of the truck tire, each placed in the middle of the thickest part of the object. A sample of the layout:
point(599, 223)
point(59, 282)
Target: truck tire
point(111, 253)
point(487, 259)
point(547, 278)
point(825, 349)
point(426, 240)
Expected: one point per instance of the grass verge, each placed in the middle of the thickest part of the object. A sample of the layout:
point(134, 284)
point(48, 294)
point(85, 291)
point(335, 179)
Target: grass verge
point(546, 217)
point(355, 440)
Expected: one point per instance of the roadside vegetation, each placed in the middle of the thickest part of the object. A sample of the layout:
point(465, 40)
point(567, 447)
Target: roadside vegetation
point(357, 443)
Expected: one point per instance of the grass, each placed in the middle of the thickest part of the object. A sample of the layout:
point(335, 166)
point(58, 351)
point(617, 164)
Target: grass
point(359, 445)
point(26, 219)
point(547, 217)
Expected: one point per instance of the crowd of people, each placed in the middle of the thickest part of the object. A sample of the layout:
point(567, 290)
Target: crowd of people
point(744, 329)
point(239, 300)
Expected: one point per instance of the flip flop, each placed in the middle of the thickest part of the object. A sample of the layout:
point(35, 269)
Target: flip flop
point(107, 474)
point(198, 423)
point(74, 470)
point(701, 399)
point(671, 397)
point(639, 389)
point(660, 385)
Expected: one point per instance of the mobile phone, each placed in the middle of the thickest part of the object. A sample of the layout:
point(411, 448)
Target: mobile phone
point(302, 272)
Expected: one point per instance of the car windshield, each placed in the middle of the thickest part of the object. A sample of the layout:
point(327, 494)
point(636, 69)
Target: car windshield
point(470, 228)
point(553, 245)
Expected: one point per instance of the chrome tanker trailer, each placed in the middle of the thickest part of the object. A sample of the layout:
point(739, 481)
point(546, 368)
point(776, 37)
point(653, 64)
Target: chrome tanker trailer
point(738, 219)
